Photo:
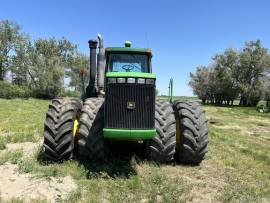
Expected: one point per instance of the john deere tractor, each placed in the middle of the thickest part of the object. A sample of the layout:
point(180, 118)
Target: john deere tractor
point(120, 104)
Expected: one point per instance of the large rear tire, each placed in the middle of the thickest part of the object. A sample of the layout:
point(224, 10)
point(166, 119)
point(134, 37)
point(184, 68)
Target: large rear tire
point(162, 147)
point(192, 132)
point(59, 128)
point(92, 146)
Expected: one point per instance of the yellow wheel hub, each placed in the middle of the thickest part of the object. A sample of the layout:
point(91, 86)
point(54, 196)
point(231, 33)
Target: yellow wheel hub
point(75, 127)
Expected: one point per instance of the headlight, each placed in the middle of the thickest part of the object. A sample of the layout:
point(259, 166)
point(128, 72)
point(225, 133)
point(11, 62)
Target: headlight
point(121, 80)
point(111, 80)
point(150, 81)
point(131, 80)
point(140, 80)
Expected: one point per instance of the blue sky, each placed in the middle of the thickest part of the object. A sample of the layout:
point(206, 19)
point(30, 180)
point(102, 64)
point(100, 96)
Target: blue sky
point(183, 34)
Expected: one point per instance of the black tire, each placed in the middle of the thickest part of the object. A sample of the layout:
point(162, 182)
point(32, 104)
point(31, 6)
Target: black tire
point(162, 147)
point(58, 128)
point(92, 146)
point(192, 132)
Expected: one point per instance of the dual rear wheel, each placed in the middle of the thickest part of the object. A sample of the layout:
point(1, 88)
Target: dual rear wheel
point(181, 131)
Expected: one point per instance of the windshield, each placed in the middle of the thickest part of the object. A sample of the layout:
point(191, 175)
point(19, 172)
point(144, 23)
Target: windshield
point(120, 62)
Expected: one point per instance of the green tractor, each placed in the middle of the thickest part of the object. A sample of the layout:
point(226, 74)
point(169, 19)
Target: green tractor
point(120, 105)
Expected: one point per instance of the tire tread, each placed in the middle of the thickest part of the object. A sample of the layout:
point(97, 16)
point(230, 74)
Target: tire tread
point(193, 132)
point(58, 128)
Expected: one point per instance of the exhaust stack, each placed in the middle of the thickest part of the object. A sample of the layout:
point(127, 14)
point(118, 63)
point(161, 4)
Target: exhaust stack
point(101, 65)
point(91, 89)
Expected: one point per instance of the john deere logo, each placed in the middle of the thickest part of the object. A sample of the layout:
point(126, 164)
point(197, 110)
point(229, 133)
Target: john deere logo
point(131, 105)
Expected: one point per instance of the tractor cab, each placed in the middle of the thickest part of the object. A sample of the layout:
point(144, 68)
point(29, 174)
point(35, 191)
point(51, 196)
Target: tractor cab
point(127, 59)
point(129, 91)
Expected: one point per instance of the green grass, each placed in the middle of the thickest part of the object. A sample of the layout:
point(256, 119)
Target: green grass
point(18, 200)
point(179, 98)
point(236, 168)
point(13, 157)
point(21, 120)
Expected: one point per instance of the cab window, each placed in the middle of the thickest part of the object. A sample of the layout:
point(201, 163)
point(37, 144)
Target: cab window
point(127, 62)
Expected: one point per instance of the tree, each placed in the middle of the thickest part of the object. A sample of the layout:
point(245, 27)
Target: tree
point(20, 63)
point(10, 36)
point(254, 64)
point(40, 65)
point(232, 74)
point(266, 89)
point(48, 58)
point(226, 87)
point(199, 81)
point(79, 72)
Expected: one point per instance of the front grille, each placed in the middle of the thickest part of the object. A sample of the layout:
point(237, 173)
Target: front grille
point(117, 112)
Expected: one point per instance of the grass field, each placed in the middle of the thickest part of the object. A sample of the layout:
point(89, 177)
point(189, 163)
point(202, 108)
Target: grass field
point(236, 168)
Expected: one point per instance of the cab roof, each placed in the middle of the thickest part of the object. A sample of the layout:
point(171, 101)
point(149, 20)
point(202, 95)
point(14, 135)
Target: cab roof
point(129, 49)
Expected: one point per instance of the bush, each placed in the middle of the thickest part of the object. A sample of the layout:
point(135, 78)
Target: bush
point(9, 91)
point(263, 107)
point(267, 98)
point(69, 93)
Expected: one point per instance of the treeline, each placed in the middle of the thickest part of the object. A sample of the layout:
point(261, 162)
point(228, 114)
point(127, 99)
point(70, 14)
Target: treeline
point(243, 75)
point(38, 67)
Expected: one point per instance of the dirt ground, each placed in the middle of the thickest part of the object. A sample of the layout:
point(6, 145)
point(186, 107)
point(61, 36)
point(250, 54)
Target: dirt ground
point(14, 184)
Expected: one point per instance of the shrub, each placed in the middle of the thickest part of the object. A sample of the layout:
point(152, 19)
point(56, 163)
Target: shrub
point(267, 98)
point(70, 93)
point(9, 91)
point(263, 107)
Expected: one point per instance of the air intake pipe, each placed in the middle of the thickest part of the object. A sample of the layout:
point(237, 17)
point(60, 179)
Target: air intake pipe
point(91, 88)
point(101, 65)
